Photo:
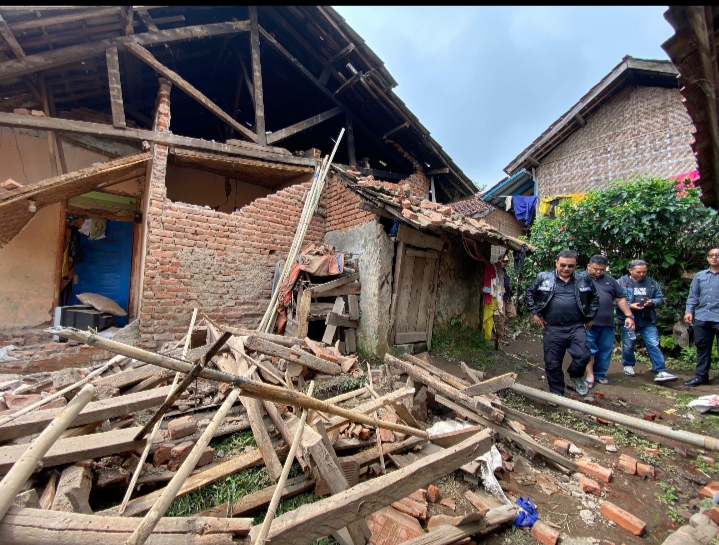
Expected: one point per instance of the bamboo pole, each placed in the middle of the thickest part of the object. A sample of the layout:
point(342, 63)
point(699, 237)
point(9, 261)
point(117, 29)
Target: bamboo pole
point(156, 428)
point(143, 531)
point(277, 495)
point(31, 460)
point(370, 388)
point(250, 388)
point(62, 392)
point(313, 198)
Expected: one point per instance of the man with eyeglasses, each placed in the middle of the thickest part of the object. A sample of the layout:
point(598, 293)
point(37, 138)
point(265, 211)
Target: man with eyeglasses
point(509, 312)
point(563, 303)
point(643, 295)
point(702, 311)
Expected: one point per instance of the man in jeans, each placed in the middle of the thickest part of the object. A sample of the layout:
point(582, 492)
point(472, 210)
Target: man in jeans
point(509, 312)
point(643, 295)
point(563, 303)
point(601, 336)
point(703, 311)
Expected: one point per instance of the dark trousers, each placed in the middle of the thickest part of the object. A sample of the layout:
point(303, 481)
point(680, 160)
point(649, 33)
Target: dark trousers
point(704, 335)
point(559, 339)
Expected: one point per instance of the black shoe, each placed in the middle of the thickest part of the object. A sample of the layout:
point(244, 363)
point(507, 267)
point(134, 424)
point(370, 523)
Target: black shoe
point(696, 381)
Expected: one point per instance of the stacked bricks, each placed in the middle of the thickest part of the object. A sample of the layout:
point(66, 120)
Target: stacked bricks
point(641, 131)
point(221, 263)
point(54, 357)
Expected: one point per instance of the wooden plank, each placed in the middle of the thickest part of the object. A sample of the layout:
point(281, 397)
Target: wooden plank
point(370, 455)
point(524, 441)
point(259, 431)
point(448, 534)
point(429, 290)
point(404, 294)
point(449, 439)
point(9, 37)
point(302, 125)
point(300, 357)
point(413, 237)
point(427, 254)
point(142, 504)
point(126, 378)
point(353, 307)
point(432, 302)
point(67, 451)
point(330, 330)
point(471, 373)
point(147, 20)
point(76, 53)
point(350, 341)
point(350, 134)
point(492, 385)
point(145, 56)
point(322, 289)
point(96, 411)
point(261, 137)
point(303, 310)
point(321, 518)
point(409, 337)
point(420, 267)
point(98, 129)
point(113, 76)
point(341, 320)
point(398, 270)
point(45, 22)
point(371, 406)
point(255, 501)
point(289, 342)
point(449, 378)
point(348, 289)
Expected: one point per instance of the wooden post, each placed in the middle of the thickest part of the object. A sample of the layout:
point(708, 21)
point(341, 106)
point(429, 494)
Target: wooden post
point(113, 76)
point(257, 78)
point(272, 509)
point(146, 451)
point(351, 142)
point(32, 459)
point(143, 531)
point(370, 388)
point(50, 134)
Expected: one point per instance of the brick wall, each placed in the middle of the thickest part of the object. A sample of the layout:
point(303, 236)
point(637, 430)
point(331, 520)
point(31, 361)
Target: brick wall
point(642, 131)
point(418, 181)
point(342, 207)
point(507, 224)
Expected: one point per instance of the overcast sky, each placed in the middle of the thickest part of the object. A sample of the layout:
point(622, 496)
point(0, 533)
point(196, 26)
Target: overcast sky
point(486, 81)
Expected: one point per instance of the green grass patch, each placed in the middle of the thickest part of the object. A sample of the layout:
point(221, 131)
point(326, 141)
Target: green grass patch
point(290, 504)
point(235, 442)
point(455, 338)
point(336, 386)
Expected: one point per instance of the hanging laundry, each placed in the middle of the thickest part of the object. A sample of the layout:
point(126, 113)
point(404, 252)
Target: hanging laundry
point(508, 203)
point(97, 229)
point(524, 208)
point(519, 257)
point(548, 205)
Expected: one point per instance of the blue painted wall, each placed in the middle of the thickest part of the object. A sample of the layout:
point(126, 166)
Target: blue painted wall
point(105, 267)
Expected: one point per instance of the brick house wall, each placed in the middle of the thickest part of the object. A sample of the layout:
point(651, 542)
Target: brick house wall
point(342, 207)
point(641, 131)
point(507, 224)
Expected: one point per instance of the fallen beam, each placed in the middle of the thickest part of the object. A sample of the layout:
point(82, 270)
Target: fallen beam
point(313, 521)
point(97, 411)
point(492, 385)
point(249, 387)
point(449, 378)
point(25, 526)
point(371, 406)
point(294, 355)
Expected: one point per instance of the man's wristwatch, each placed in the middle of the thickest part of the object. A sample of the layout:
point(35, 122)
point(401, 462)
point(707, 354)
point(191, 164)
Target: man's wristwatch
point(629, 317)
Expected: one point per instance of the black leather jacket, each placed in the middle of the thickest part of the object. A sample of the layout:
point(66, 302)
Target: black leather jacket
point(540, 293)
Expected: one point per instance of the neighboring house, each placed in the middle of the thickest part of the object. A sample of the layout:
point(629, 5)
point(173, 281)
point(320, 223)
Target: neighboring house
point(632, 123)
point(200, 201)
point(693, 50)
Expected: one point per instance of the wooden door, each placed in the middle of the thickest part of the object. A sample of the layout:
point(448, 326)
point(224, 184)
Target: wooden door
point(415, 287)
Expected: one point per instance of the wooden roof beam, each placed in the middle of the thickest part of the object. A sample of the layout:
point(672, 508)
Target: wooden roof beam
point(75, 53)
point(261, 136)
point(9, 37)
point(60, 19)
point(145, 56)
point(113, 78)
point(146, 19)
point(302, 125)
point(396, 129)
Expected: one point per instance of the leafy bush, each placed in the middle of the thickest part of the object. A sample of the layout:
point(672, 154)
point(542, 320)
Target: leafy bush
point(660, 221)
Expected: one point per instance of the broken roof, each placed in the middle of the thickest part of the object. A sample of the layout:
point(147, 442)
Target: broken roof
point(471, 206)
point(393, 201)
point(629, 71)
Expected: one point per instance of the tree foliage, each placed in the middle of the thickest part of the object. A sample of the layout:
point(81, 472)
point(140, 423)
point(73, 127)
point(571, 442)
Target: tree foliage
point(660, 221)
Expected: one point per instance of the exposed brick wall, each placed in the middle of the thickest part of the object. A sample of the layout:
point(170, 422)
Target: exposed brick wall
point(642, 131)
point(342, 207)
point(507, 224)
point(418, 181)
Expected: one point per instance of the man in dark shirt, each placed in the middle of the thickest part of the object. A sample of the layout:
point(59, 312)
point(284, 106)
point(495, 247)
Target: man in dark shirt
point(643, 295)
point(703, 311)
point(509, 312)
point(563, 303)
point(601, 336)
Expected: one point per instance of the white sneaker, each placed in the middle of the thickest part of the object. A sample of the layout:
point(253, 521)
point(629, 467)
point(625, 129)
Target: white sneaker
point(629, 370)
point(663, 376)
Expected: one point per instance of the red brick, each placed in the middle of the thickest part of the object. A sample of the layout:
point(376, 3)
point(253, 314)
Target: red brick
point(713, 514)
point(477, 501)
point(17, 402)
point(544, 533)
point(561, 446)
point(438, 520)
point(208, 455)
point(390, 527)
point(427, 205)
point(709, 491)
point(627, 464)
point(592, 469)
point(420, 495)
point(707, 460)
point(607, 440)
point(449, 503)
point(181, 427)
point(589, 486)
point(652, 451)
point(432, 493)
point(179, 454)
point(623, 518)
point(411, 508)
point(645, 470)
point(162, 454)
point(407, 213)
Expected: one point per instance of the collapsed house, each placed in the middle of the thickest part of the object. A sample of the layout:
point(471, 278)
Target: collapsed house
point(167, 194)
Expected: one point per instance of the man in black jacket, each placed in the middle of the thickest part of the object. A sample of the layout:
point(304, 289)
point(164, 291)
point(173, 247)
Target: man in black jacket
point(563, 303)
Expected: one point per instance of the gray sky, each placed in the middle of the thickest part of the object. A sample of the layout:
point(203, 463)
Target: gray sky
point(486, 81)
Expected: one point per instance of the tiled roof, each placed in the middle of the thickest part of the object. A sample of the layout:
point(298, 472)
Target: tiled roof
point(423, 214)
point(471, 206)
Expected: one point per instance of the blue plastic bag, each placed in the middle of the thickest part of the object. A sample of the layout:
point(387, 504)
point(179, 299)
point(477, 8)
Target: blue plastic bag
point(527, 515)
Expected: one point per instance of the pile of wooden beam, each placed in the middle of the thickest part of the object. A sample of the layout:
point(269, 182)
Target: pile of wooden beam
point(144, 421)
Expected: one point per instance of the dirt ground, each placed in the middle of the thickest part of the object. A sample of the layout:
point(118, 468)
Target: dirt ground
point(664, 503)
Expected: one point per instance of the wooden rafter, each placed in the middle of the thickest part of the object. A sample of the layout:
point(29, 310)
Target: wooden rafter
point(68, 18)
point(145, 56)
point(257, 78)
point(9, 37)
point(302, 125)
point(76, 53)
point(113, 77)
